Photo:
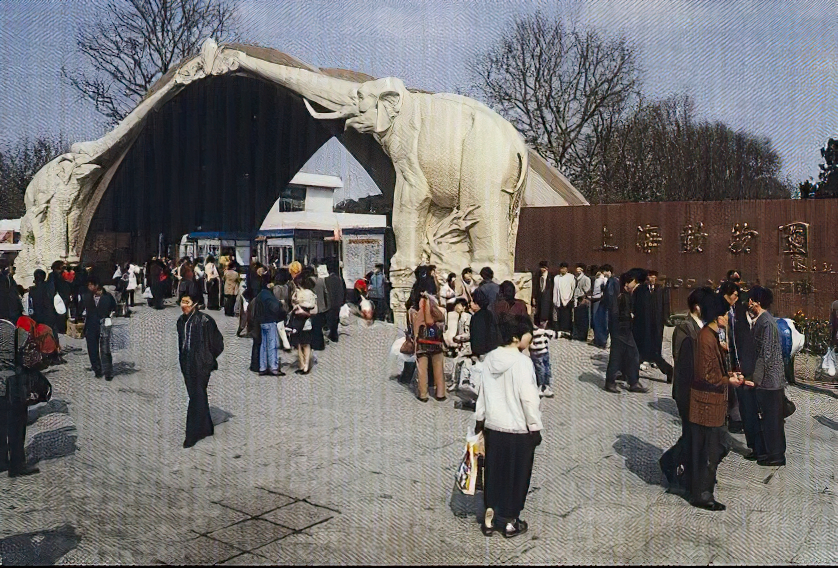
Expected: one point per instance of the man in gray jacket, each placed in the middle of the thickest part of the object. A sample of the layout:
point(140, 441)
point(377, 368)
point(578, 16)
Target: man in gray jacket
point(768, 381)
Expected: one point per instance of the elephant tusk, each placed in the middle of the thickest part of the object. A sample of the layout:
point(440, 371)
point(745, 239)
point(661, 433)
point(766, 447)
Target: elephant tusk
point(334, 115)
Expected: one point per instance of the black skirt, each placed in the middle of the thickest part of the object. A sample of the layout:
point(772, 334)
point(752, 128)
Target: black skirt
point(212, 294)
point(299, 337)
point(507, 472)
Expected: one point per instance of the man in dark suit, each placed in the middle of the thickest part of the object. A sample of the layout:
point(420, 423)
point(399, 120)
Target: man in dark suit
point(647, 325)
point(336, 292)
point(100, 307)
point(675, 462)
point(542, 293)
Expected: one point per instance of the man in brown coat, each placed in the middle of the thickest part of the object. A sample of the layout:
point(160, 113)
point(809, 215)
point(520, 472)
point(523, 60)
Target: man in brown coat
point(708, 404)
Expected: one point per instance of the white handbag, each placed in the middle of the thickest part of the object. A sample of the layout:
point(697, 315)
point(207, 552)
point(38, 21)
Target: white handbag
point(60, 308)
point(147, 293)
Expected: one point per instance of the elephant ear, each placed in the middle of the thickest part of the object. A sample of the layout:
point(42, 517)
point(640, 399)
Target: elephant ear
point(389, 105)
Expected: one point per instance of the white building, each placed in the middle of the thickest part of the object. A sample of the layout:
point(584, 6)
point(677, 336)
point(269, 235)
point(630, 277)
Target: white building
point(303, 225)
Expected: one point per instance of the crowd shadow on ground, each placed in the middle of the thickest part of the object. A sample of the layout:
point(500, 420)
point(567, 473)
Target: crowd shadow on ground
point(666, 405)
point(54, 406)
point(220, 416)
point(464, 506)
point(828, 422)
point(592, 378)
point(53, 444)
point(41, 548)
point(125, 368)
point(641, 458)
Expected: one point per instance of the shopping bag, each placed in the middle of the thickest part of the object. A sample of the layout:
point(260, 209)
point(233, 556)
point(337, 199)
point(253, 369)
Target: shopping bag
point(469, 476)
point(147, 293)
point(58, 303)
point(345, 314)
point(828, 363)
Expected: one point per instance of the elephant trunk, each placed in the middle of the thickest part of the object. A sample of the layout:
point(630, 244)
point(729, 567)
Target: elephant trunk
point(328, 92)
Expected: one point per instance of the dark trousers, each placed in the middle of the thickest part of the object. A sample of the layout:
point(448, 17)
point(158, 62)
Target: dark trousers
point(380, 305)
point(99, 350)
point(746, 397)
point(318, 320)
point(624, 358)
point(675, 462)
point(198, 419)
point(563, 320)
point(212, 294)
point(129, 298)
point(708, 450)
point(254, 354)
point(581, 322)
point(600, 324)
point(159, 293)
point(333, 321)
point(229, 305)
point(13, 415)
point(507, 472)
point(770, 441)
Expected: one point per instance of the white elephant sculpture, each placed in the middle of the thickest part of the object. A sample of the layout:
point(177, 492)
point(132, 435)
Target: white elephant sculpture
point(454, 158)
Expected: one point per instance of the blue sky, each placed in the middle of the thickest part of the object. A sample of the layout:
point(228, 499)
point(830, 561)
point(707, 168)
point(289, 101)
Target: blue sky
point(768, 67)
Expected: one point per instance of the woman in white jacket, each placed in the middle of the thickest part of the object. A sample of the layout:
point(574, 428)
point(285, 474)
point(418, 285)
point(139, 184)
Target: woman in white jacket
point(508, 414)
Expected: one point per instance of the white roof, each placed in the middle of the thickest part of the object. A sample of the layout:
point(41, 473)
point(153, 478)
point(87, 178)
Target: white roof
point(316, 180)
point(10, 225)
point(321, 220)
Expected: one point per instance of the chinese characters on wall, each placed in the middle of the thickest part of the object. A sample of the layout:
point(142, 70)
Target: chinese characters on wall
point(794, 250)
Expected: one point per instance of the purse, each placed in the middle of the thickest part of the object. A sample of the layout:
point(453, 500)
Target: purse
point(60, 308)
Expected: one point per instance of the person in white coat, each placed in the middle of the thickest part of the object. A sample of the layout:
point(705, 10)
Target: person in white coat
point(508, 414)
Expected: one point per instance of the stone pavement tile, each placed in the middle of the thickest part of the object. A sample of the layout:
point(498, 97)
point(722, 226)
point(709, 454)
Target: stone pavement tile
point(208, 517)
point(250, 534)
point(298, 516)
point(248, 559)
point(254, 502)
point(199, 551)
point(292, 550)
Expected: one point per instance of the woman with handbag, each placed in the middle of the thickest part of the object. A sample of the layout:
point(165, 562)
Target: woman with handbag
point(425, 320)
point(509, 416)
point(304, 302)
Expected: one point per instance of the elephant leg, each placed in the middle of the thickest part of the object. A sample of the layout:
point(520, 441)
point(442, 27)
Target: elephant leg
point(489, 237)
point(411, 204)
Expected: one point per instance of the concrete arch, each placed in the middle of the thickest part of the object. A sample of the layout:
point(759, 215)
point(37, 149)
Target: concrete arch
point(64, 197)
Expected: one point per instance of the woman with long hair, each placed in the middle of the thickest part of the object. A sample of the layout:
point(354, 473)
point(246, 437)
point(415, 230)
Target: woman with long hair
point(425, 319)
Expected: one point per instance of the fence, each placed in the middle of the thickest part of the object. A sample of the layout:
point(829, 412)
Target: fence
point(787, 245)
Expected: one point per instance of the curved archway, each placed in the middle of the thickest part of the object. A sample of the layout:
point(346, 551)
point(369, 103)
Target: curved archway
point(215, 158)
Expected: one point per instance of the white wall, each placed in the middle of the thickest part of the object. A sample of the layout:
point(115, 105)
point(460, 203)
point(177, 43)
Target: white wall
point(319, 199)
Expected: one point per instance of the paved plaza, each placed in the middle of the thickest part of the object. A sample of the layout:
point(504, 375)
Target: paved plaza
point(345, 466)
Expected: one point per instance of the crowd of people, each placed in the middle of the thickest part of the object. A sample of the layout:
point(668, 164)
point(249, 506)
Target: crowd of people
point(728, 373)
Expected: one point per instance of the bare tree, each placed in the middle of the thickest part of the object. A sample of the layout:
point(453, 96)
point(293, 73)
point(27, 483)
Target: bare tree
point(662, 153)
point(18, 164)
point(564, 89)
point(133, 43)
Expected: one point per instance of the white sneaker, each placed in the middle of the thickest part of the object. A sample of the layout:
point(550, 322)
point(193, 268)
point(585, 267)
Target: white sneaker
point(541, 392)
point(546, 392)
point(644, 367)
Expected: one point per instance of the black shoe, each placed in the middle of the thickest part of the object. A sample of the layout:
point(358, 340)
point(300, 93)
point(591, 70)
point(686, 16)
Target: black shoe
point(773, 463)
point(299, 372)
point(99, 375)
point(27, 470)
point(264, 373)
point(108, 379)
point(637, 387)
point(709, 505)
point(752, 456)
point(189, 443)
point(735, 427)
point(612, 387)
point(518, 527)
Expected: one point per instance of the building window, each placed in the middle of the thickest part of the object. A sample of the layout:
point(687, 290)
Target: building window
point(292, 198)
